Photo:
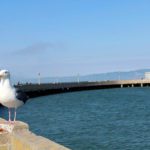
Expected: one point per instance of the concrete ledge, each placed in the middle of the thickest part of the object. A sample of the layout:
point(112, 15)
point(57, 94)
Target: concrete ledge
point(22, 139)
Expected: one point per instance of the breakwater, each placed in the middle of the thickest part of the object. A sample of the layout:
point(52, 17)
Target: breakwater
point(20, 138)
point(36, 90)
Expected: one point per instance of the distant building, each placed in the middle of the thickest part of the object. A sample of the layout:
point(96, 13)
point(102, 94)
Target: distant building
point(147, 75)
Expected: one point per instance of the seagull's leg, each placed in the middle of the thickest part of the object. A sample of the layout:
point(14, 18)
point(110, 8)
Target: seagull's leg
point(15, 114)
point(9, 112)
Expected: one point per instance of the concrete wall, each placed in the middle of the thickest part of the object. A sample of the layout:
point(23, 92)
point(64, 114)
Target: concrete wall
point(22, 139)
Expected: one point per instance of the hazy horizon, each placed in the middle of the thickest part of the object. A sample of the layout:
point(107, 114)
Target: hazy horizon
point(116, 75)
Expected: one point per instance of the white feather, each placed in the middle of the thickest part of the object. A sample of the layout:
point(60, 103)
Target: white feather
point(8, 93)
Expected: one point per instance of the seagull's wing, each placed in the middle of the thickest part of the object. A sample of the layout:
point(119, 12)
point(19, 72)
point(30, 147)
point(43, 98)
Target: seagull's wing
point(21, 96)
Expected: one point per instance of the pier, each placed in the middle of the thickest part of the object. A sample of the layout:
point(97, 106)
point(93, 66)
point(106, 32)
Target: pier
point(36, 90)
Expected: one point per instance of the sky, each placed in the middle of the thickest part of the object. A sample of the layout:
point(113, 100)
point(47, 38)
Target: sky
point(70, 37)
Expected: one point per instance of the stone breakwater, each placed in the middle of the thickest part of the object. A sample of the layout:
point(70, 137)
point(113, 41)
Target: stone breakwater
point(19, 137)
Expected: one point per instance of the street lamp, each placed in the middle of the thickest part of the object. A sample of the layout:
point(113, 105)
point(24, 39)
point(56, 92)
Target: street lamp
point(78, 78)
point(39, 78)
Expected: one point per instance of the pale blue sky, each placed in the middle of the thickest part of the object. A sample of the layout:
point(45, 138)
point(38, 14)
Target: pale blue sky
point(67, 37)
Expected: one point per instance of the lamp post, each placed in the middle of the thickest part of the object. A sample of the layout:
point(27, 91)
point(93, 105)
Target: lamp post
point(39, 78)
point(78, 78)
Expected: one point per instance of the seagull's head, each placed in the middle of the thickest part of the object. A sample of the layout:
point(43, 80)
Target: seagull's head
point(4, 74)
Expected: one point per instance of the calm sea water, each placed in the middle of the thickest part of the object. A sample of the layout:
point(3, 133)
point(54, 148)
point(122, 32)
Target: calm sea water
point(92, 120)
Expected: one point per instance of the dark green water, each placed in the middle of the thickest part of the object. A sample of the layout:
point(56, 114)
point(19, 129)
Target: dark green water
point(114, 119)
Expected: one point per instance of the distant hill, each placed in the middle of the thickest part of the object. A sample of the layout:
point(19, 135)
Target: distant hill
point(136, 74)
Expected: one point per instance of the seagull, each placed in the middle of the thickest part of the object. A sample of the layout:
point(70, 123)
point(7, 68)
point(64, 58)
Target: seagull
point(10, 97)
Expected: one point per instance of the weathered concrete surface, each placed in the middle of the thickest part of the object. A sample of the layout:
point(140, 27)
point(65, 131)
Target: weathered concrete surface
point(22, 139)
point(4, 138)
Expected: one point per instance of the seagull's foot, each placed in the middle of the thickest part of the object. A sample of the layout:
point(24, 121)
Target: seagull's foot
point(10, 122)
point(14, 121)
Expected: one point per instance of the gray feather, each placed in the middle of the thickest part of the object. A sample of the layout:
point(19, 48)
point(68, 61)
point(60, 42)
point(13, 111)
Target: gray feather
point(21, 96)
